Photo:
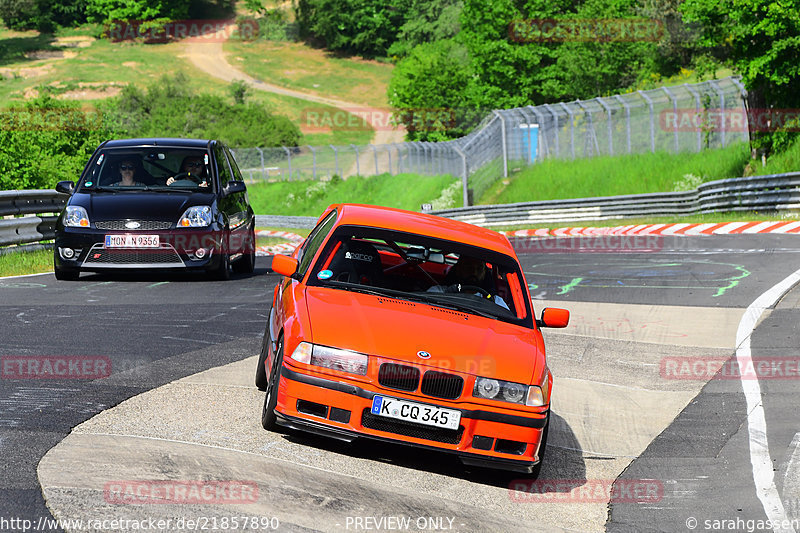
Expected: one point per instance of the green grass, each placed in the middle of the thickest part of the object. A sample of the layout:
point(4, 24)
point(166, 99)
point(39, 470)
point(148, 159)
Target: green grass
point(34, 262)
point(310, 198)
point(554, 179)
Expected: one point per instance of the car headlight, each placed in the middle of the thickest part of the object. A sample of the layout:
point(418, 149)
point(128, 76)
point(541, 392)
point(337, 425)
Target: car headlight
point(198, 216)
point(333, 358)
point(507, 391)
point(76, 217)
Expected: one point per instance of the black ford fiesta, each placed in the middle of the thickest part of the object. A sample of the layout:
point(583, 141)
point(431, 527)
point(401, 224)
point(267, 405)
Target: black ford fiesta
point(156, 203)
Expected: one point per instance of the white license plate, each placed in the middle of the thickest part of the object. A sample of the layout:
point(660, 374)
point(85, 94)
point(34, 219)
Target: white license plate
point(430, 415)
point(132, 241)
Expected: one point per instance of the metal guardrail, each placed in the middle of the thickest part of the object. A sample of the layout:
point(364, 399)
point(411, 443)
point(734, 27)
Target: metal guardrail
point(41, 203)
point(777, 192)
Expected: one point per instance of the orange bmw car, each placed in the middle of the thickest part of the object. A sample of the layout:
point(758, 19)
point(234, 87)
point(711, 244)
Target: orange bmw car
point(410, 328)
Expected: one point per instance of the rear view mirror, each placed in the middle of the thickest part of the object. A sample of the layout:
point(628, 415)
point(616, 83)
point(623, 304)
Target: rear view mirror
point(232, 187)
point(553, 317)
point(65, 186)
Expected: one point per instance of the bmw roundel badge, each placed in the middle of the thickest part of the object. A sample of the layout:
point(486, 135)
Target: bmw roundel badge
point(423, 354)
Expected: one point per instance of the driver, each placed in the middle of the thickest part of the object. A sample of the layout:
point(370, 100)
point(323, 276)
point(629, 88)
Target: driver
point(468, 274)
point(194, 169)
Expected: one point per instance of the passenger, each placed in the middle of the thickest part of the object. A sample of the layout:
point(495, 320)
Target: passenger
point(468, 275)
point(127, 174)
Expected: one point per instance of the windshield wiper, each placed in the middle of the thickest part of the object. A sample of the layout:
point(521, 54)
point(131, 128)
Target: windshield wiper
point(433, 299)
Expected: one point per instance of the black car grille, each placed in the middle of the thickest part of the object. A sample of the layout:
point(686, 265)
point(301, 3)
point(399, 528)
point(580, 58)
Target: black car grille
point(442, 385)
point(400, 377)
point(144, 225)
point(447, 436)
point(157, 256)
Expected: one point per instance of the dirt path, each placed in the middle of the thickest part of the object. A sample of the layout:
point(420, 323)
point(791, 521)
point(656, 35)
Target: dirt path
point(209, 56)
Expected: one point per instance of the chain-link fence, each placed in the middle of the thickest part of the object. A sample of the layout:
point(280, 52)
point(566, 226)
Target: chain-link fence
point(685, 118)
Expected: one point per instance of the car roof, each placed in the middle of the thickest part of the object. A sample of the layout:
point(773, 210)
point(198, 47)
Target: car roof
point(159, 141)
point(422, 224)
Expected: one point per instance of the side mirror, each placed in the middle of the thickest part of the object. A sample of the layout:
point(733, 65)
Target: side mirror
point(284, 265)
point(65, 186)
point(553, 317)
point(233, 187)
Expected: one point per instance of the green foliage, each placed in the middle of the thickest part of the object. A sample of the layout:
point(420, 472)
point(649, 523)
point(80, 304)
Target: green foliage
point(761, 38)
point(169, 108)
point(45, 141)
point(140, 10)
point(239, 91)
point(427, 21)
point(427, 92)
point(42, 15)
point(365, 27)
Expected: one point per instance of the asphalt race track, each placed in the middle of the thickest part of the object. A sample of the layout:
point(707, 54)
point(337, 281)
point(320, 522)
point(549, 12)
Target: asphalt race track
point(634, 415)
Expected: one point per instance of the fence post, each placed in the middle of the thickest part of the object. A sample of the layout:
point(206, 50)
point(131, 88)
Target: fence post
point(375, 153)
point(624, 104)
point(335, 159)
point(743, 93)
point(263, 170)
point(503, 139)
point(674, 110)
point(697, 110)
point(289, 159)
point(314, 161)
point(555, 126)
point(590, 138)
point(610, 128)
point(358, 169)
point(389, 155)
point(721, 110)
point(652, 123)
point(542, 135)
point(571, 129)
point(464, 176)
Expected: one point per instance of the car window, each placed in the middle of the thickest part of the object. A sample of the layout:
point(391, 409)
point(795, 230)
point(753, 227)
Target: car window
point(423, 268)
point(313, 242)
point(152, 167)
point(237, 174)
point(222, 166)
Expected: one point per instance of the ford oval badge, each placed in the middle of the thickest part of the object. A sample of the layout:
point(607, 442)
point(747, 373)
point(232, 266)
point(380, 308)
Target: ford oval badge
point(423, 354)
point(132, 224)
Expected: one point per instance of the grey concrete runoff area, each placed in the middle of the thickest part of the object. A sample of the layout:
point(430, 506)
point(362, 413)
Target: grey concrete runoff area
point(207, 425)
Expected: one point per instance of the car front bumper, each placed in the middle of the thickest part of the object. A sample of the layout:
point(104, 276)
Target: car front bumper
point(500, 439)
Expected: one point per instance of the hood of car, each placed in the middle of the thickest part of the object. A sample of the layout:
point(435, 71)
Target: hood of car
point(138, 204)
point(422, 334)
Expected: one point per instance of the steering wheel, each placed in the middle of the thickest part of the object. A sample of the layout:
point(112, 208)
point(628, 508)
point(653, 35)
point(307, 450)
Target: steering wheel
point(186, 176)
point(471, 289)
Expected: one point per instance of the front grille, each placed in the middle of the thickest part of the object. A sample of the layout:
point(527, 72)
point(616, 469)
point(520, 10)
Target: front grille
point(442, 385)
point(398, 427)
point(400, 377)
point(144, 225)
point(155, 256)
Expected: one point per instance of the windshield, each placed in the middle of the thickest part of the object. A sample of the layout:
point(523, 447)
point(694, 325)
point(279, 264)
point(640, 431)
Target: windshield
point(151, 168)
point(425, 269)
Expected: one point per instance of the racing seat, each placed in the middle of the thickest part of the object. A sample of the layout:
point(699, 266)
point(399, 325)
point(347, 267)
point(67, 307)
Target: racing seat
point(357, 262)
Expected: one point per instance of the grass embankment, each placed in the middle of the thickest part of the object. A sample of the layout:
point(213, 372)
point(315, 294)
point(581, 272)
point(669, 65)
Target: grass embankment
point(29, 262)
point(554, 179)
point(310, 198)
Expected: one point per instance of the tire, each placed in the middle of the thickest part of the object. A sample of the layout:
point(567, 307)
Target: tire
point(245, 264)
point(261, 372)
point(268, 418)
point(223, 271)
point(66, 275)
point(542, 448)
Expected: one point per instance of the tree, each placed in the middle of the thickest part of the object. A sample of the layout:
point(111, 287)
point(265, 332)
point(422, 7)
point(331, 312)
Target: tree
point(42, 15)
point(106, 11)
point(427, 21)
point(761, 38)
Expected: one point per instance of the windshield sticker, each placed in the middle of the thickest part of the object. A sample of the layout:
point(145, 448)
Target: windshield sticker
point(324, 274)
point(89, 184)
point(100, 159)
point(205, 159)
